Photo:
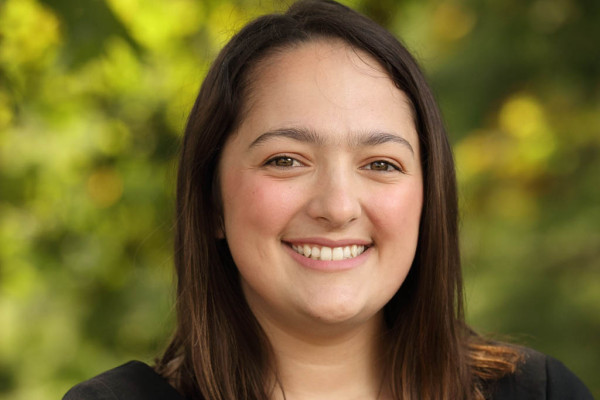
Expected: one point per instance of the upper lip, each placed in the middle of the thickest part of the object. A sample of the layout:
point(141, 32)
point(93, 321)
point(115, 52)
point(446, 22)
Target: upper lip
point(328, 242)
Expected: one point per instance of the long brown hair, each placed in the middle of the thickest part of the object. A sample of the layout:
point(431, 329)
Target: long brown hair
point(219, 350)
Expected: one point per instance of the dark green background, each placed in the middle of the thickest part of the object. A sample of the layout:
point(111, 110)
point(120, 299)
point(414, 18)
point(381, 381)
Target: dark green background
point(93, 99)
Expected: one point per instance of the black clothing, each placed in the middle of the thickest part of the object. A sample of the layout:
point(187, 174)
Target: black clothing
point(540, 377)
point(132, 381)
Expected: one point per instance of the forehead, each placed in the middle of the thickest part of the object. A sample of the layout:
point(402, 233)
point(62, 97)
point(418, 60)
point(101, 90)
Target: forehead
point(324, 53)
point(327, 86)
point(327, 61)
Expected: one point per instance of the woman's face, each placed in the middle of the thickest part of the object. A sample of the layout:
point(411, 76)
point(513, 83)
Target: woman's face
point(322, 188)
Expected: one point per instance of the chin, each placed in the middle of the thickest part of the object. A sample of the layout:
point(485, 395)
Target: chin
point(339, 313)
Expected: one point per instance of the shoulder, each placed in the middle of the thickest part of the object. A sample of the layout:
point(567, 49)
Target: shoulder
point(131, 381)
point(542, 377)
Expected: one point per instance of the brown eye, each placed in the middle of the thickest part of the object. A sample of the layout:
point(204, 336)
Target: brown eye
point(382, 166)
point(379, 166)
point(282, 162)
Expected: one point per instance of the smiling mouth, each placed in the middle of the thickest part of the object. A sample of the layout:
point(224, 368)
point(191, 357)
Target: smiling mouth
point(325, 253)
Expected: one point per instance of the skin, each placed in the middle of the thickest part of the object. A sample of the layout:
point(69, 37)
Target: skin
point(303, 167)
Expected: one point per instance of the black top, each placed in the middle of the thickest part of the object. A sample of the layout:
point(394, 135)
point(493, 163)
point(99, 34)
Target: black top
point(539, 377)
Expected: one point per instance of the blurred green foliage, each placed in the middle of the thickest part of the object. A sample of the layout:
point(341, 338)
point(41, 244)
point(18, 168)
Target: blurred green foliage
point(93, 99)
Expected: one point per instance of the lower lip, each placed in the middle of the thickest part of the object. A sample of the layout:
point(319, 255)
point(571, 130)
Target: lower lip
point(332, 266)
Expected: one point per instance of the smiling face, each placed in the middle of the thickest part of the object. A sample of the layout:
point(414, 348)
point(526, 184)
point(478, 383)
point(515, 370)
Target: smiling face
point(322, 188)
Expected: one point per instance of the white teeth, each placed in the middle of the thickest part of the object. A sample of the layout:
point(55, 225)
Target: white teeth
point(325, 253)
point(307, 250)
point(315, 253)
point(338, 254)
point(347, 252)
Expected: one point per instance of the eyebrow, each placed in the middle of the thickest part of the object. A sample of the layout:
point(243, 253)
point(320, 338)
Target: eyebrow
point(309, 136)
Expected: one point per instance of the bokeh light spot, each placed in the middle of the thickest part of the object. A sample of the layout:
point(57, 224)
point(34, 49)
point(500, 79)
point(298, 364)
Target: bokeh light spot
point(522, 116)
point(105, 187)
point(452, 21)
point(28, 32)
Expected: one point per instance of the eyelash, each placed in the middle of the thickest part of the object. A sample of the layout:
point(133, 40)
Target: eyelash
point(390, 167)
point(272, 161)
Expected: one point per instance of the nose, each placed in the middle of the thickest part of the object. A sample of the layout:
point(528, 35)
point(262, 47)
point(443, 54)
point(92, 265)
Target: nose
point(335, 200)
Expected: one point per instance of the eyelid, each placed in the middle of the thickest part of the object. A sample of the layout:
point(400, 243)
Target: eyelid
point(395, 165)
point(272, 159)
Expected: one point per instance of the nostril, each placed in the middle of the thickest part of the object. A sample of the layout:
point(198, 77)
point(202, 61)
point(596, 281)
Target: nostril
point(336, 210)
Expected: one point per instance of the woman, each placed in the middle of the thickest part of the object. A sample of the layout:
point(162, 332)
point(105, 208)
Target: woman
point(316, 246)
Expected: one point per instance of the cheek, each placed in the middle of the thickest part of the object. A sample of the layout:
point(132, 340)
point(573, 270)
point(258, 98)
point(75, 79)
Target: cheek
point(397, 212)
point(257, 203)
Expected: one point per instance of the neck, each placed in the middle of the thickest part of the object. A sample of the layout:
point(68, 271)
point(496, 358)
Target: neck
point(344, 365)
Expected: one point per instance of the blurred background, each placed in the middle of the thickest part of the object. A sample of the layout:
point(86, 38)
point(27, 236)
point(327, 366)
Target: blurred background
point(94, 95)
